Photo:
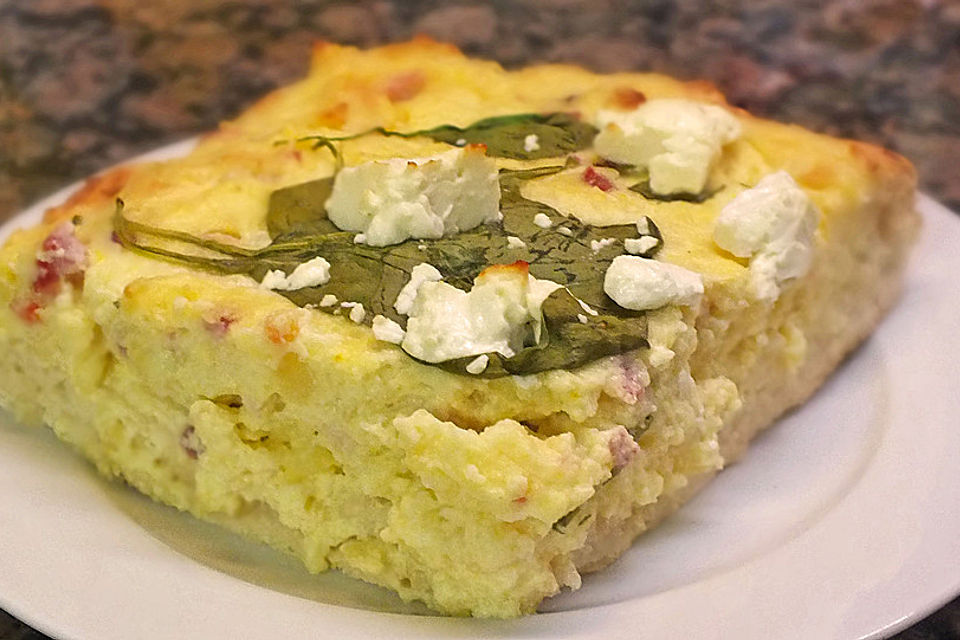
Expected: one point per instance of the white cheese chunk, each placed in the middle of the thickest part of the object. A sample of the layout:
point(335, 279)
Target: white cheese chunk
point(328, 300)
point(421, 273)
point(772, 224)
point(357, 313)
point(516, 243)
point(531, 143)
point(639, 245)
point(543, 221)
point(387, 330)
point(641, 283)
point(677, 140)
point(597, 245)
point(478, 365)
point(389, 201)
point(312, 273)
point(500, 314)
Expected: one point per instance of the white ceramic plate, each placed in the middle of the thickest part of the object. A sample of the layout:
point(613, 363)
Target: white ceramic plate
point(842, 522)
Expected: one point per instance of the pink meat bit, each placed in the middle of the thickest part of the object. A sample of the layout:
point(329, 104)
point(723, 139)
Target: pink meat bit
point(631, 381)
point(623, 448)
point(190, 443)
point(220, 326)
point(595, 179)
point(47, 280)
point(62, 252)
point(26, 310)
point(62, 257)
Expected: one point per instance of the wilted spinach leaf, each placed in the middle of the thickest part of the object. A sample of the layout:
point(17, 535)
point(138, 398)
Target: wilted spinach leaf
point(571, 253)
point(298, 210)
point(643, 188)
point(557, 134)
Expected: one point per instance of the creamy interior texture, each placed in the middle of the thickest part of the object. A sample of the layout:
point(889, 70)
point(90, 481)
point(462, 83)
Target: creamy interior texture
point(476, 496)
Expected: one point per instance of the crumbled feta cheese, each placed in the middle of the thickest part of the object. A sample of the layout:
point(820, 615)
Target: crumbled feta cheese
point(640, 283)
point(597, 245)
point(515, 242)
point(643, 226)
point(501, 314)
point(677, 140)
point(582, 318)
point(309, 274)
point(387, 330)
point(531, 143)
point(360, 238)
point(328, 300)
point(389, 201)
point(357, 314)
point(461, 142)
point(639, 245)
point(543, 221)
point(421, 273)
point(478, 365)
point(564, 231)
point(772, 224)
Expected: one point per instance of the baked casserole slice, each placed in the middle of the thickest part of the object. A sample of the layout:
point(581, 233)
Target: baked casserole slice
point(454, 330)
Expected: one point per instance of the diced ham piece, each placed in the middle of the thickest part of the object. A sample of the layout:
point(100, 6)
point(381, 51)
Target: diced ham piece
point(631, 381)
point(26, 311)
point(220, 325)
point(62, 252)
point(190, 443)
point(596, 179)
point(62, 257)
point(623, 448)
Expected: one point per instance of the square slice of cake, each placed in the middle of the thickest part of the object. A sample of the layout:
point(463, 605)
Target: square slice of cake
point(459, 331)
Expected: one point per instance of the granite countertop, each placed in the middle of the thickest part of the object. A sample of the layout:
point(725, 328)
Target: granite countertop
point(87, 83)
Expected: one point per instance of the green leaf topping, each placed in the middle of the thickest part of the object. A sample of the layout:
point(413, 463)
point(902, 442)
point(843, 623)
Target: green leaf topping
point(293, 211)
point(642, 187)
point(569, 252)
point(505, 136)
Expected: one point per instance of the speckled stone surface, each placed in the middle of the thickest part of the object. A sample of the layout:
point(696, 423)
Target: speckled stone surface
point(87, 83)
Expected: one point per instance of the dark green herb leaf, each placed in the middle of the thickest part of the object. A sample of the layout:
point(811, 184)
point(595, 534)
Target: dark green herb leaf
point(373, 276)
point(298, 210)
point(505, 136)
point(566, 341)
point(643, 188)
point(557, 134)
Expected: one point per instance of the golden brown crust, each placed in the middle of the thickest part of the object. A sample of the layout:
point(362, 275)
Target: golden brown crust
point(95, 190)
